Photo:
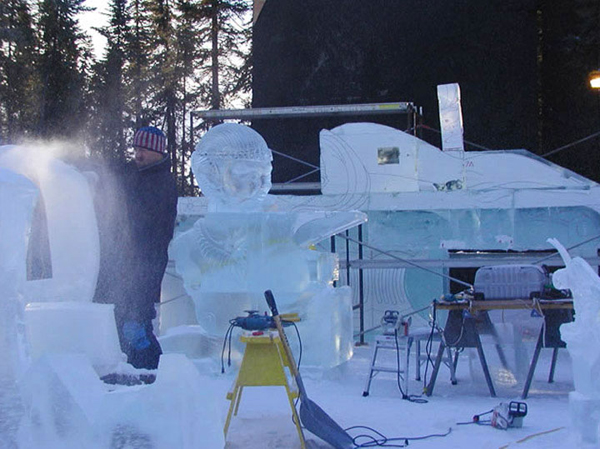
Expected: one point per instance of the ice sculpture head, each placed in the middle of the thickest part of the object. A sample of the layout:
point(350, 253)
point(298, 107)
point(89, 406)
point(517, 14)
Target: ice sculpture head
point(232, 164)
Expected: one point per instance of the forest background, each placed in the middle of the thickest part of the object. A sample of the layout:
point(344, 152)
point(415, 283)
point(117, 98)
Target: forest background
point(165, 58)
point(162, 59)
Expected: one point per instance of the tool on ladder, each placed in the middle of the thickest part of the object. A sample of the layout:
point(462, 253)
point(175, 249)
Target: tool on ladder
point(393, 325)
point(314, 419)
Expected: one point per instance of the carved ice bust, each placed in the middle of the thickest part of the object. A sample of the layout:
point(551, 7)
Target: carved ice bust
point(232, 164)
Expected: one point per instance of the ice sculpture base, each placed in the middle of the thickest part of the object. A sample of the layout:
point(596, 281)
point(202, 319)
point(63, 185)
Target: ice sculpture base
point(585, 417)
point(70, 408)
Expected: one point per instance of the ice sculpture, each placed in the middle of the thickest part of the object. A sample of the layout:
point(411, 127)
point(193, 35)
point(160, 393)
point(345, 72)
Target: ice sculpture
point(69, 407)
point(18, 196)
point(582, 337)
point(245, 245)
point(60, 401)
point(59, 314)
point(71, 223)
point(17, 199)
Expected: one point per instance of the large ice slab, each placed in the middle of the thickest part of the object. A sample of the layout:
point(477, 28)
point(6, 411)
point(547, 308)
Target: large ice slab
point(18, 196)
point(68, 407)
point(74, 328)
point(70, 224)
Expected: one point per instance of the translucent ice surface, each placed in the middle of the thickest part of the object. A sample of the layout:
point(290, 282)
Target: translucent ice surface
point(64, 232)
point(18, 196)
point(244, 246)
point(582, 337)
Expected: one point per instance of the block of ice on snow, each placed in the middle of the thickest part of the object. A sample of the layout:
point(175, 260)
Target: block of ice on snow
point(61, 394)
point(176, 411)
point(585, 415)
point(68, 407)
point(74, 328)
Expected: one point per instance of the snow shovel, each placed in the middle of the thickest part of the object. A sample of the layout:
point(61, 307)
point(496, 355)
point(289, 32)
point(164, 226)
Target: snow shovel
point(313, 418)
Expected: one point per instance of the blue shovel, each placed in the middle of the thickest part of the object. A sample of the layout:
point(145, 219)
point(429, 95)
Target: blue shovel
point(312, 417)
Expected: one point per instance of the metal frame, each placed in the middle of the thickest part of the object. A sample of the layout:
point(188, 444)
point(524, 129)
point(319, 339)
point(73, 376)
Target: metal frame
point(288, 112)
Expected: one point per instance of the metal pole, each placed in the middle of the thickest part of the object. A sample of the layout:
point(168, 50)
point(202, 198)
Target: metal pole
point(347, 259)
point(361, 293)
point(333, 251)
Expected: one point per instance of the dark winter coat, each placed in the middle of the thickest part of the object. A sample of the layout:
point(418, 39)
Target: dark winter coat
point(141, 206)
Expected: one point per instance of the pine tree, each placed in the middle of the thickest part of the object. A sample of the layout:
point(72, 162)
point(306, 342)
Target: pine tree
point(138, 49)
point(62, 109)
point(189, 51)
point(166, 74)
point(227, 62)
point(110, 114)
point(18, 94)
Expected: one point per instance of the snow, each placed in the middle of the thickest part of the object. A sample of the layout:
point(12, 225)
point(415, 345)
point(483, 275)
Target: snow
point(264, 420)
point(58, 400)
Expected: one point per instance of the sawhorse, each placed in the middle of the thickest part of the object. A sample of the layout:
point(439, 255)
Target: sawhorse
point(263, 365)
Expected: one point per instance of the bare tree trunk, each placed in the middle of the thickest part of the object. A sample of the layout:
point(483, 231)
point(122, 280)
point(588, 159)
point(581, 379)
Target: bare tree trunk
point(214, 32)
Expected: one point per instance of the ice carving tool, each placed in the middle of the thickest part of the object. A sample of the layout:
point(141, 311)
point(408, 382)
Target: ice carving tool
point(312, 417)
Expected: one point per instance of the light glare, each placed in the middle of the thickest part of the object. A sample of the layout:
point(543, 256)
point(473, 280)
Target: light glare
point(595, 79)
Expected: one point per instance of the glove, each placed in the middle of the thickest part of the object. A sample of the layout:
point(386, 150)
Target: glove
point(134, 334)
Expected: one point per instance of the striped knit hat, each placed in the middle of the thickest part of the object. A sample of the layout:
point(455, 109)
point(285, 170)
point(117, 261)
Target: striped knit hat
point(150, 138)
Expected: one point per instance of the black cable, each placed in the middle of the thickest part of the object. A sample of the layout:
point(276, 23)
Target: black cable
point(404, 395)
point(299, 359)
point(411, 398)
point(229, 352)
point(299, 343)
point(477, 419)
point(228, 332)
point(429, 347)
point(384, 441)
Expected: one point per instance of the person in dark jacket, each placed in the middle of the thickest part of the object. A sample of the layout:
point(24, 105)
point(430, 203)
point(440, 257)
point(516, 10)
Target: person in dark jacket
point(136, 256)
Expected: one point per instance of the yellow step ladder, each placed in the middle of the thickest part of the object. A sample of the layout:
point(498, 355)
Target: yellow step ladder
point(263, 364)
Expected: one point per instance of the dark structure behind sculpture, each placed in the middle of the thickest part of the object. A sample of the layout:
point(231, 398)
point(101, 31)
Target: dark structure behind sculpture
point(349, 51)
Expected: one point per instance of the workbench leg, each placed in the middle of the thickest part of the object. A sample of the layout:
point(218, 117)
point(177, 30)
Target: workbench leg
point(238, 400)
point(536, 354)
point(418, 360)
point(296, 419)
point(452, 365)
point(409, 342)
point(553, 365)
point(436, 368)
point(486, 372)
point(232, 407)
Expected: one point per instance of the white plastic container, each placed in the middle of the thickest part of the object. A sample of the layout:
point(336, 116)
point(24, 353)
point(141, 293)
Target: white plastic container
point(509, 281)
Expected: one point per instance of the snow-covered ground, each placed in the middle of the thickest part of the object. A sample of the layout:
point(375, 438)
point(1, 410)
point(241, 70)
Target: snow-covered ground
point(263, 420)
